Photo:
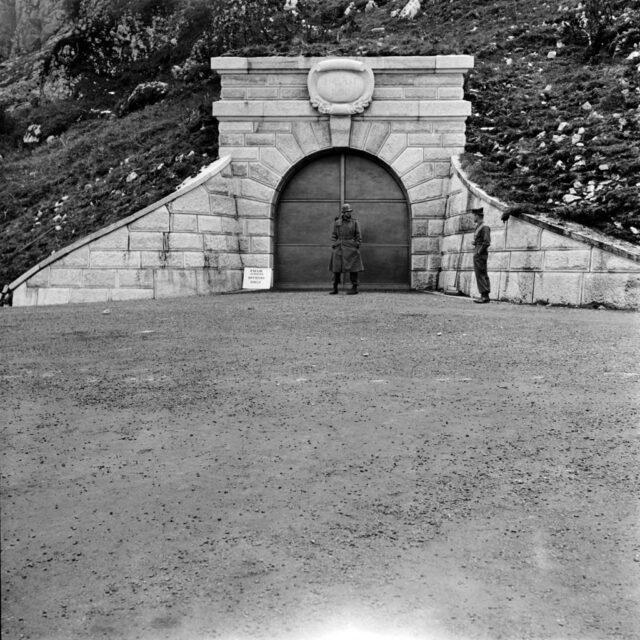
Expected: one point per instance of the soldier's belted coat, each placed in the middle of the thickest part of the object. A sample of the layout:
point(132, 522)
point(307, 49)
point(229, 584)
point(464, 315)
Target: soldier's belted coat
point(345, 241)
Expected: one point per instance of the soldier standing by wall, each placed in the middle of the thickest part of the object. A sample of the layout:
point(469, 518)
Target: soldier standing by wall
point(345, 242)
point(481, 243)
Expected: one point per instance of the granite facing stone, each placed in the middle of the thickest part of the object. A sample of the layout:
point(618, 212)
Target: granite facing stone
point(426, 190)
point(376, 137)
point(40, 279)
point(551, 240)
point(161, 259)
point(603, 261)
point(425, 245)
point(118, 239)
point(526, 261)
point(122, 259)
point(429, 208)
point(273, 127)
point(424, 280)
point(261, 245)
point(138, 278)
point(256, 191)
point(100, 278)
point(78, 296)
point(262, 173)
point(289, 147)
point(415, 124)
point(407, 160)
point(617, 290)
point(59, 295)
point(445, 125)
point(569, 260)
point(422, 173)
point(521, 235)
point(517, 287)
point(530, 263)
point(339, 130)
point(146, 241)
point(191, 202)
point(132, 294)
point(229, 126)
point(359, 131)
point(275, 159)
point(194, 259)
point(185, 241)
point(498, 260)
point(305, 137)
point(61, 277)
point(322, 133)
point(425, 140)
point(78, 258)
point(240, 153)
point(170, 283)
point(420, 227)
point(558, 288)
point(231, 139)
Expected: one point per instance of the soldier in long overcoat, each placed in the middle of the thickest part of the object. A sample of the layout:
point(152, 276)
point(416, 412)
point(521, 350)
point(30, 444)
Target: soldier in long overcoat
point(345, 242)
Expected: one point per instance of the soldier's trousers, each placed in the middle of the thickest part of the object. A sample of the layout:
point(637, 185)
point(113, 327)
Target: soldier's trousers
point(482, 277)
point(353, 276)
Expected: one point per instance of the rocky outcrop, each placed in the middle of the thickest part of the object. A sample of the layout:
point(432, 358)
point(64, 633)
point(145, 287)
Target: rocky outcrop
point(26, 25)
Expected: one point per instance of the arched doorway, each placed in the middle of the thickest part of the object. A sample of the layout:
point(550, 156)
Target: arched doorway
point(308, 205)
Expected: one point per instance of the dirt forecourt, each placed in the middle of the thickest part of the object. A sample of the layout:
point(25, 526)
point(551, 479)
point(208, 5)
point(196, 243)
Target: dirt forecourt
point(304, 466)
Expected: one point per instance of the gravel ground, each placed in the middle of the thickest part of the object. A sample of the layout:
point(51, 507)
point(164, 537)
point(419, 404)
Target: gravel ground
point(304, 466)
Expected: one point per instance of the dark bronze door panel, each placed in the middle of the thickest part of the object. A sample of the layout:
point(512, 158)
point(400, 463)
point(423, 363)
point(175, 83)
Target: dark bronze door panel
point(306, 211)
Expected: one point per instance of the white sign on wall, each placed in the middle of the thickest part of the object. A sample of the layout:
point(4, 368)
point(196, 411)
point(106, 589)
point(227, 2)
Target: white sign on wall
point(255, 278)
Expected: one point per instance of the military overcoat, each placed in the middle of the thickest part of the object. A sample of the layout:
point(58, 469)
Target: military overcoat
point(345, 242)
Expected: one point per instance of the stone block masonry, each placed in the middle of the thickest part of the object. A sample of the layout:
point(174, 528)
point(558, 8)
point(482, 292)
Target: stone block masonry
point(535, 260)
point(198, 240)
point(414, 124)
point(410, 118)
point(186, 244)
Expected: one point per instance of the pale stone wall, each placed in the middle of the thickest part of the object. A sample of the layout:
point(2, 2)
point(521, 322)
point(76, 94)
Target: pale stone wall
point(189, 243)
point(534, 260)
point(199, 240)
point(414, 124)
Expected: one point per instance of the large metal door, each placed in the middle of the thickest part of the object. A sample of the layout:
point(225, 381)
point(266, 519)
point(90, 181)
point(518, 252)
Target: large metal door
point(308, 206)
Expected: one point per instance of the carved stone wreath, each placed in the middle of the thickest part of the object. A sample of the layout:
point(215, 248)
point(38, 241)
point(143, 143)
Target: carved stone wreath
point(340, 86)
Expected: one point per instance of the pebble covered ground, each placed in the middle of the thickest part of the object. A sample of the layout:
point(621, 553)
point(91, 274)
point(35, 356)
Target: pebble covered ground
point(298, 465)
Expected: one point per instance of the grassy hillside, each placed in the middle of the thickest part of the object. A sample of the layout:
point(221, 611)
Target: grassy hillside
point(555, 93)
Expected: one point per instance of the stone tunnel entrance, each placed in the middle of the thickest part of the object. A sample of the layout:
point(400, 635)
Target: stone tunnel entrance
point(306, 209)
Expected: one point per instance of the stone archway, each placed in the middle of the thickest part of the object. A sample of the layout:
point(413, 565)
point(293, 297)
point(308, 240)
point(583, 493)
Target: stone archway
point(310, 201)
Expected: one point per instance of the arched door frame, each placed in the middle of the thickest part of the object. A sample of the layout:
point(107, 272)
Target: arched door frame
point(312, 157)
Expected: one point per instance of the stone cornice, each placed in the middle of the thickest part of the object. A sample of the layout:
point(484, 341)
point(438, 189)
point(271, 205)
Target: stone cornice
point(388, 64)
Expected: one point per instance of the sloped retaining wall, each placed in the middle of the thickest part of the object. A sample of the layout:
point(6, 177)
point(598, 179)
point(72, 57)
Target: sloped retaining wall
point(534, 260)
point(189, 243)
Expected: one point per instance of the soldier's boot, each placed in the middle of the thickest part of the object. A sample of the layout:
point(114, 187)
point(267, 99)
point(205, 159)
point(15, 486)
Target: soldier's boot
point(353, 276)
point(336, 282)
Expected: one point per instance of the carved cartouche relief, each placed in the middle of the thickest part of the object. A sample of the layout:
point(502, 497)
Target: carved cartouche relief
point(340, 86)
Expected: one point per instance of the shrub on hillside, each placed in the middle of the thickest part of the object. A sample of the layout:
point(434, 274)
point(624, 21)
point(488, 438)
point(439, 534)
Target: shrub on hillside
point(609, 27)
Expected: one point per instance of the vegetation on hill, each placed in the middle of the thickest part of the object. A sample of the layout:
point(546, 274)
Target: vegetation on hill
point(555, 94)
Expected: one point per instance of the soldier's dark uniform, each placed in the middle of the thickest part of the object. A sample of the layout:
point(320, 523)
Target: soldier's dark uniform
point(481, 244)
point(345, 242)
